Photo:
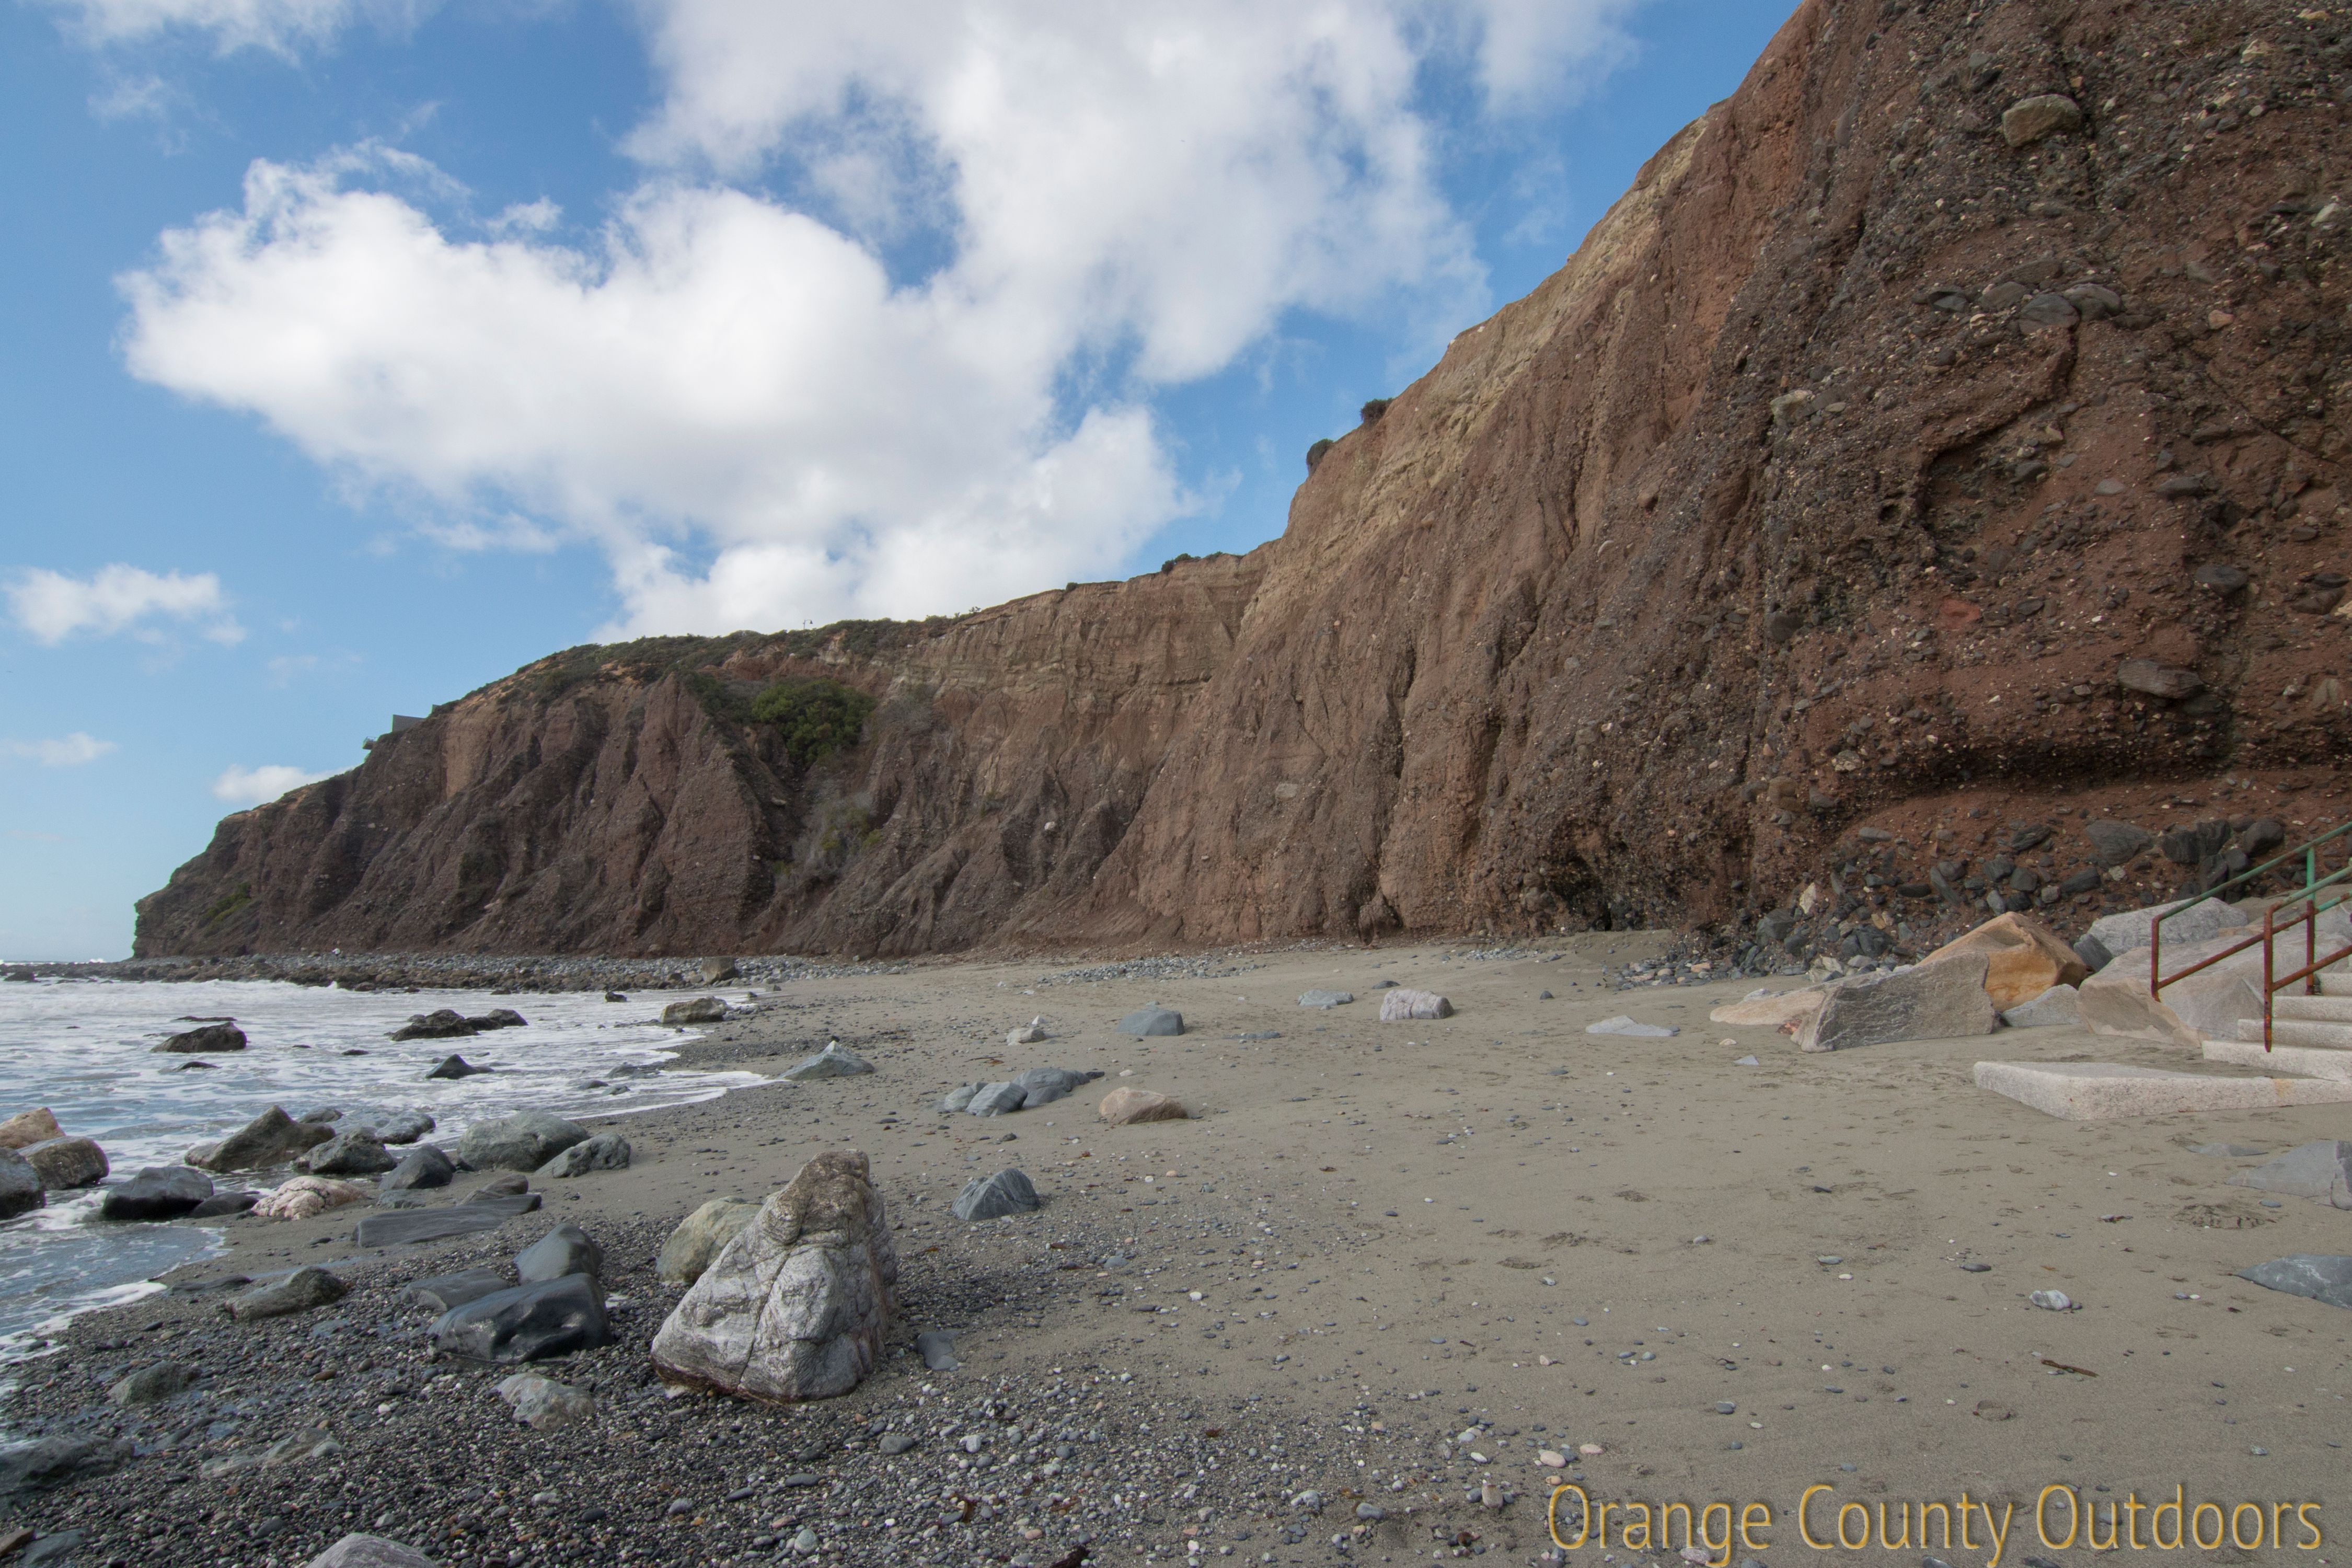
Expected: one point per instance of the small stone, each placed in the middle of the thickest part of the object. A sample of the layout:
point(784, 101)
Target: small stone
point(1726, 1407)
point(2028, 120)
point(2150, 679)
point(1405, 1004)
point(831, 1062)
point(441, 1024)
point(300, 1291)
point(368, 1551)
point(938, 1351)
point(1146, 1023)
point(153, 1384)
point(1371, 1513)
point(2049, 311)
point(897, 1443)
point(1008, 1192)
point(1748, 1062)
point(1028, 1034)
point(2221, 577)
point(602, 1152)
point(1976, 1268)
point(2051, 1300)
point(1622, 1025)
point(542, 1404)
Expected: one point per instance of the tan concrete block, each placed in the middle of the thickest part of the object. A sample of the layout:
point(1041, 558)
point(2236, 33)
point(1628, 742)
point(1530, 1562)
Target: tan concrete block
point(2100, 1091)
point(2295, 1061)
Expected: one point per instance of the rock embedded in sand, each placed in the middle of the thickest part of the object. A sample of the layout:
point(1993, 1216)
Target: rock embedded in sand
point(158, 1192)
point(1152, 1021)
point(1404, 1005)
point(1622, 1025)
point(604, 1152)
point(368, 1551)
point(2316, 1170)
point(300, 1291)
point(797, 1305)
point(528, 1323)
point(937, 1348)
point(2319, 1275)
point(1028, 1034)
point(523, 1143)
point(957, 1098)
point(1928, 1002)
point(204, 1039)
point(700, 1236)
point(542, 1404)
point(64, 1163)
point(403, 1226)
point(1325, 999)
point(153, 1384)
point(27, 1128)
point(831, 1062)
point(1007, 1192)
point(272, 1138)
point(21, 1191)
point(697, 1010)
point(2023, 958)
point(996, 1098)
point(1126, 1106)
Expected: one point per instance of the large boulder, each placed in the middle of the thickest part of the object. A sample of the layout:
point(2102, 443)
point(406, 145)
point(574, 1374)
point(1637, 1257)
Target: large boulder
point(1152, 1020)
point(2125, 930)
point(604, 1151)
point(300, 1291)
point(27, 1128)
point(442, 1292)
point(1125, 1107)
point(530, 1323)
point(2024, 958)
point(423, 1166)
point(159, 1191)
point(272, 1138)
point(1944, 1000)
point(2320, 1276)
point(349, 1154)
point(21, 1191)
point(992, 1197)
point(441, 1024)
point(566, 1249)
point(700, 1236)
point(1404, 1005)
point(67, 1163)
point(697, 1010)
point(205, 1039)
point(796, 1306)
point(523, 1143)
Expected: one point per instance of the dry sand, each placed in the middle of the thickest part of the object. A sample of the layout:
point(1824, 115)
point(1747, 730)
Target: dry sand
point(1429, 1225)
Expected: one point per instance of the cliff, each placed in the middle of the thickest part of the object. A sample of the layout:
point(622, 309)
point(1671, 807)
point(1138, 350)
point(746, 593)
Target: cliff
point(1943, 436)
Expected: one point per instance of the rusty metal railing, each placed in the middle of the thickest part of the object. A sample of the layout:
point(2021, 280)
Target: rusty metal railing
point(2305, 902)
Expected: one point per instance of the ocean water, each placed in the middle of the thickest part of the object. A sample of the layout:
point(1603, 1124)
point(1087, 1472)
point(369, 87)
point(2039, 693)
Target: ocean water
point(85, 1049)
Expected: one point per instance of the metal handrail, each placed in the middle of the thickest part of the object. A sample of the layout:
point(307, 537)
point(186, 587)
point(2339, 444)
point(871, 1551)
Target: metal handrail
point(2312, 882)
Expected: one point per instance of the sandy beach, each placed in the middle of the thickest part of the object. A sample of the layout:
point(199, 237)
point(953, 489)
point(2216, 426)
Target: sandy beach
point(1384, 1264)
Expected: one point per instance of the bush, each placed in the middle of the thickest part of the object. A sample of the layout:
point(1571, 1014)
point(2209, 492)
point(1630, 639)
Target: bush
point(816, 718)
point(1374, 409)
point(1314, 454)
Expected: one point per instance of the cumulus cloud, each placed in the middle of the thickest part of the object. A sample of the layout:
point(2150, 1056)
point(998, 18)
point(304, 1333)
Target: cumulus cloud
point(745, 401)
point(51, 606)
point(71, 751)
point(251, 786)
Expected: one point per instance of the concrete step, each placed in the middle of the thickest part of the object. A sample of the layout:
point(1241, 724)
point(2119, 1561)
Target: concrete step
point(2287, 1062)
point(2317, 1009)
point(2299, 1032)
point(2099, 1092)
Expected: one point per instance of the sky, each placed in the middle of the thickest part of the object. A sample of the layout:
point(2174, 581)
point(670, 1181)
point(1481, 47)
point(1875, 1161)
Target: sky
point(359, 351)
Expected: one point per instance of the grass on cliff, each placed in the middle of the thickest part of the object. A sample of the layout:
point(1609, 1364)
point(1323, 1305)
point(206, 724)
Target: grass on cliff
point(815, 718)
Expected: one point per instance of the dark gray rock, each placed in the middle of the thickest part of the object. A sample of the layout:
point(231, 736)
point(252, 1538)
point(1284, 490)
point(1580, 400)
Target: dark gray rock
point(48, 1461)
point(389, 1126)
point(604, 1151)
point(349, 1154)
point(272, 1138)
point(996, 1098)
point(299, 1291)
point(530, 1323)
point(523, 1143)
point(455, 1067)
point(2307, 1171)
point(444, 1292)
point(2321, 1277)
point(938, 1351)
point(423, 1166)
point(513, 1185)
point(404, 1226)
point(205, 1039)
point(64, 1163)
point(1146, 1023)
point(498, 1018)
point(2264, 838)
point(957, 1098)
point(153, 1384)
point(20, 1186)
point(2163, 681)
point(992, 1197)
point(1042, 1086)
point(53, 1551)
point(441, 1024)
point(2077, 883)
point(2092, 953)
point(2221, 577)
point(566, 1249)
point(2005, 295)
point(2095, 301)
point(2049, 311)
point(321, 1116)
point(831, 1062)
point(159, 1191)
point(2028, 120)
point(220, 1205)
point(894, 1444)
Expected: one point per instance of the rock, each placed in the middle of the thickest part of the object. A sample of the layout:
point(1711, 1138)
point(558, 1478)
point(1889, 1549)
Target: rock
point(566, 1249)
point(2024, 958)
point(53, 1551)
point(403, 1226)
point(1028, 1034)
point(441, 1024)
point(423, 1166)
point(1145, 1022)
point(831, 1062)
point(497, 1018)
point(604, 1152)
point(2208, 1003)
point(2097, 303)
point(442, 1292)
point(165, 1192)
point(153, 1384)
point(718, 971)
point(797, 1305)
point(20, 1186)
point(272, 1138)
point(2077, 883)
point(64, 1163)
point(699, 1010)
point(996, 1098)
point(2150, 679)
point(530, 1323)
point(1042, 1086)
point(1771, 1009)
point(300, 1198)
point(2127, 931)
point(2049, 311)
point(513, 1185)
point(2221, 577)
point(389, 1126)
point(523, 1143)
point(1404, 1003)
point(29, 1126)
point(2115, 843)
point(47, 1462)
point(2229, 1151)
point(957, 1098)
point(2092, 953)
point(1927, 1001)
point(938, 1351)
point(2028, 120)
point(2320, 1276)
point(321, 1116)
point(303, 1444)
point(1622, 1025)
point(2051, 1300)
point(2261, 838)
point(204, 1039)
point(1126, 1106)
point(2316, 1170)
point(1325, 999)
point(299, 1291)
point(2054, 1008)
point(349, 1154)
point(368, 1551)
point(992, 1197)
point(701, 1237)
point(221, 1205)
point(454, 1067)
point(542, 1404)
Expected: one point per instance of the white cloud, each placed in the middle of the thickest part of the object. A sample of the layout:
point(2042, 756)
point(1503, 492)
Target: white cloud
point(52, 606)
point(738, 402)
point(281, 26)
point(251, 786)
point(71, 751)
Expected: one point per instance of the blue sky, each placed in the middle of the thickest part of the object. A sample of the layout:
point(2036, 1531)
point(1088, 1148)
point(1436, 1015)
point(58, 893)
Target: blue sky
point(358, 353)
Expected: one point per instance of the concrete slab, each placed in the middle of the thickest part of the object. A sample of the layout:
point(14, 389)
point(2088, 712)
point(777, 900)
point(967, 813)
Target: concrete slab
point(2100, 1091)
point(2294, 1061)
point(2325, 1034)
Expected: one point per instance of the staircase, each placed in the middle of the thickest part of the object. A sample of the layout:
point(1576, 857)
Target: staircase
point(2322, 1022)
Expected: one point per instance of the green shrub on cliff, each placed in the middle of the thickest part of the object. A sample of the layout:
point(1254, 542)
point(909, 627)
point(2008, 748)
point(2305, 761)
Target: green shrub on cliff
point(815, 718)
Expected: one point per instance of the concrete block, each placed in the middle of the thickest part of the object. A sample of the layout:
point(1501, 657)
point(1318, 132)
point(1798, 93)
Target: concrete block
point(2292, 1061)
point(2100, 1091)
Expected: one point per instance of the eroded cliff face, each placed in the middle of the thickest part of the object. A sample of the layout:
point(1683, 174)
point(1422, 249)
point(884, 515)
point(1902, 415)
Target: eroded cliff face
point(1830, 486)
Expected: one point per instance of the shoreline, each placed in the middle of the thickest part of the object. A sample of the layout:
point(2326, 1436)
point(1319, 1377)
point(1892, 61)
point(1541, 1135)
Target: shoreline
point(1498, 1207)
